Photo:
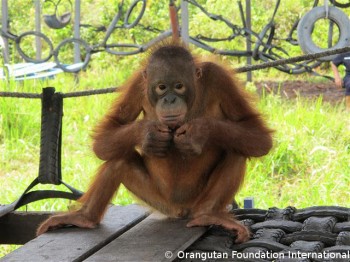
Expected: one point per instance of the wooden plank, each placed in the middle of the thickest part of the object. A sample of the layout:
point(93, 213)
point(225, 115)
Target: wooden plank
point(40, 75)
point(156, 238)
point(11, 68)
point(20, 227)
point(76, 244)
point(51, 72)
point(26, 71)
point(32, 69)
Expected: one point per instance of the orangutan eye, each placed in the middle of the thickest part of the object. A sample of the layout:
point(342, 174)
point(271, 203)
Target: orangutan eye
point(161, 89)
point(180, 88)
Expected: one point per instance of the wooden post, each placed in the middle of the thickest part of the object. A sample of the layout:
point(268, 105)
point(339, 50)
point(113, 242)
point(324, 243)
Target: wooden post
point(184, 22)
point(38, 29)
point(249, 43)
point(4, 23)
point(77, 31)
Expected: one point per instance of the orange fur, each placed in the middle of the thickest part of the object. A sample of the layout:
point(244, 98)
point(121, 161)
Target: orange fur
point(204, 166)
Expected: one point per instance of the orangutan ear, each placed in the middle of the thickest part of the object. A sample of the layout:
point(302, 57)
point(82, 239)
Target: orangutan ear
point(144, 74)
point(199, 72)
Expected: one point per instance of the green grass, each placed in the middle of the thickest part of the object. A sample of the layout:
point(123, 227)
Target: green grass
point(308, 165)
point(20, 136)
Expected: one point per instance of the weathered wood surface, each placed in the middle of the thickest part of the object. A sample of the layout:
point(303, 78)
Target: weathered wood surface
point(20, 227)
point(156, 238)
point(75, 244)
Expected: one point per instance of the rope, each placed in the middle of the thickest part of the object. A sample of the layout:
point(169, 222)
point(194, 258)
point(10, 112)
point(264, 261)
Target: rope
point(89, 92)
point(292, 60)
point(238, 70)
point(66, 95)
point(20, 95)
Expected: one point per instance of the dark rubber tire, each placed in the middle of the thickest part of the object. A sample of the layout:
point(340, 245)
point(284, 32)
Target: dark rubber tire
point(306, 26)
point(341, 5)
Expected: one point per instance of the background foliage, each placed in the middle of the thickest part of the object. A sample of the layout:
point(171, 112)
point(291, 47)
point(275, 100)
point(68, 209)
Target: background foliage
point(97, 14)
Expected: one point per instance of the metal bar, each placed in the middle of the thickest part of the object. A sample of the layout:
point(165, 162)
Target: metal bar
point(77, 5)
point(184, 22)
point(248, 38)
point(4, 23)
point(38, 29)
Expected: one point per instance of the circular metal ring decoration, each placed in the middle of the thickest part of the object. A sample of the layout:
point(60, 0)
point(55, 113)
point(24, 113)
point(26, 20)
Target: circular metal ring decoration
point(129, 12)
point(26, 57)
point(66, 67)
point(133, 49)
point(55, 21)
point(307, 24)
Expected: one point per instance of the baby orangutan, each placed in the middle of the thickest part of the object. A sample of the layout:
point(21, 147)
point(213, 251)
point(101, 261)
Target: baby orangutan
point(186, 155)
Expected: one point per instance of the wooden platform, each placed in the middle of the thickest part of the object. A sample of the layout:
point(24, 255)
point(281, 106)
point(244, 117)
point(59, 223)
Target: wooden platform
point(126, 234)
